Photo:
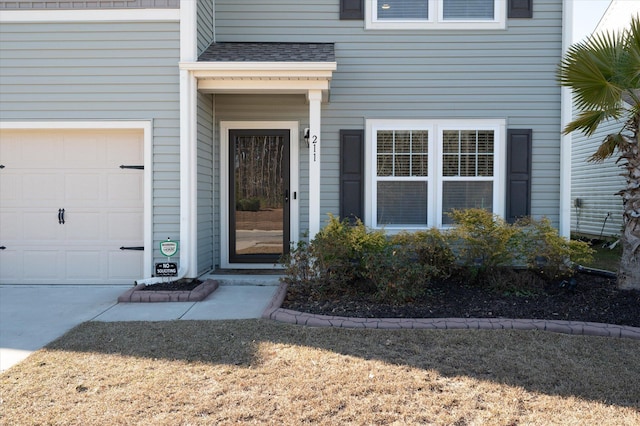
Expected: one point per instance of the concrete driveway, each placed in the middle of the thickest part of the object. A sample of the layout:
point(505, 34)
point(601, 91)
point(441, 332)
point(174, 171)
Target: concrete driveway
point(32, 316)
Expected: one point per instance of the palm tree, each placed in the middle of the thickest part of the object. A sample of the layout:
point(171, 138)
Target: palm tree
point(604, 74)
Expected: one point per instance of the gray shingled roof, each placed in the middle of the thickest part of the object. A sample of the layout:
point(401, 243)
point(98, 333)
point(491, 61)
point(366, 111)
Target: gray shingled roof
point(268, 52)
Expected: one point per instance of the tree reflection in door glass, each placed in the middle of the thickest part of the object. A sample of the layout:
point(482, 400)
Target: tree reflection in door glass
point(259, 194)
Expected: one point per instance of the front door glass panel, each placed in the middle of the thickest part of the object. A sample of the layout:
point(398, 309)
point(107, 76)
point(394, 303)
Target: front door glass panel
point(259, 195)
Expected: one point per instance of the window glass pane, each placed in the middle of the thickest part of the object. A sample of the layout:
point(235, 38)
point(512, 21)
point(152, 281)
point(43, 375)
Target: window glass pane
point(420, 165)
point(467, 152)
point(468, 141)
point(450, 141)
point(485, 165)
point(402, 203)
point(485, 141)
point(385, 141)
point(468, 165)
point(468, 9)
point(403, 9)
point(403, 165)
point(403, 141)
point(385, 165)
point(450, 165)
point(402, 152)
point(465, 195)
point(420, 141)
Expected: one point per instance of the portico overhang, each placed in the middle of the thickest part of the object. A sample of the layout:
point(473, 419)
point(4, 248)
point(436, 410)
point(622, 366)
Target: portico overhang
point(253, 68)
point(280, 68)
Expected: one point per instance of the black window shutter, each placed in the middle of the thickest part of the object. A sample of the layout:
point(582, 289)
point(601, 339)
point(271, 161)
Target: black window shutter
point(351, 9)
point(352, 174)
point(520, 9)
point(519, 147)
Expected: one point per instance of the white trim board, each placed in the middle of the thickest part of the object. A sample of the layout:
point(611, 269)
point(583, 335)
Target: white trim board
point(147, 128)
point(89, 15)
point(294, 165)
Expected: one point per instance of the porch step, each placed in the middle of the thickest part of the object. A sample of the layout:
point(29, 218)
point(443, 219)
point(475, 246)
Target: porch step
point(244, 279)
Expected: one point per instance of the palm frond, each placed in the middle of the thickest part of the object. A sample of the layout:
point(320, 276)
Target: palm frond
point(607, 148)
point(587, 122)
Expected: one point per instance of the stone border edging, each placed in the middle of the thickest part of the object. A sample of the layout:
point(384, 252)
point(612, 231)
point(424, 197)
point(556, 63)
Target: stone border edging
point(275, 313)
point(137, 295)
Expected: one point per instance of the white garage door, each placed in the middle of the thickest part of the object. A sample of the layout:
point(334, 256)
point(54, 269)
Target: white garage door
point(67, 207)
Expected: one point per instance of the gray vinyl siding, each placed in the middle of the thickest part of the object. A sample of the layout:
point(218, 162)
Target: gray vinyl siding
point(205, 24)
point(595, 184)
point(100, 4)
point(101, 71)
point(507, 74)
point(206, 166)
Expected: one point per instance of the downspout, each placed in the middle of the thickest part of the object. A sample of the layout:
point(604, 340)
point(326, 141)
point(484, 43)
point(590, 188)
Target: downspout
point(188, 155)
point(566, 115)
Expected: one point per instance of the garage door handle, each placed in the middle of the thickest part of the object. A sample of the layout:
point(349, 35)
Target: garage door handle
point(139, 248)
point(61, 216)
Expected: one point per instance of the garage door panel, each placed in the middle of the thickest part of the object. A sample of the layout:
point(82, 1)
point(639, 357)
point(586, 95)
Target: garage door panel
point(9, 188)
point(10, 226)
point(42, 265)
point(82, 190)
point(78, 171)
point(40, 226)
point(122, 228)
point(82, 151)
point(40, 189)
point(124, 149)
point(33, 149)
point(10, 266)
point(83, 264)
point(122, 263)
point(128, 186)
point(83, 225)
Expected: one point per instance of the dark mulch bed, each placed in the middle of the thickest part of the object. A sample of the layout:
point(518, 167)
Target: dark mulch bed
point(593, 299)
point(186, 284)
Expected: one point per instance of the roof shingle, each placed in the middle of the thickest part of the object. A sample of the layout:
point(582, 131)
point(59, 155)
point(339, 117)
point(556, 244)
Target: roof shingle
point(268, 52)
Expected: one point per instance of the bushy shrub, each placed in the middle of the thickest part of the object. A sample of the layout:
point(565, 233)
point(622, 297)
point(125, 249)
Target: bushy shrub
point(407, 266)
point(545, 251)
point(334, 259)
point(485, 239)
point(248, 204)
point(346, 258)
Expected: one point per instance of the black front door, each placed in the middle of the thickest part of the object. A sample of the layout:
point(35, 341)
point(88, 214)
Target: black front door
point(258, 195)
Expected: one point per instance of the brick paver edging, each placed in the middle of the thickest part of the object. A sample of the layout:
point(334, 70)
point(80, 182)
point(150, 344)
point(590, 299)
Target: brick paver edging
point(274, 312)
point(137, 295)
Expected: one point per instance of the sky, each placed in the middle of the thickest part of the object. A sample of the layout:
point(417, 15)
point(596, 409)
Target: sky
point(587, 14)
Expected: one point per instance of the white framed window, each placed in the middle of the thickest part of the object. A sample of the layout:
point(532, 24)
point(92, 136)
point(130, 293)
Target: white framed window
point(435, 14)
point(419, 170)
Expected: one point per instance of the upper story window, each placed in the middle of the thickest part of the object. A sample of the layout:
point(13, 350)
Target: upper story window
point(435, 14)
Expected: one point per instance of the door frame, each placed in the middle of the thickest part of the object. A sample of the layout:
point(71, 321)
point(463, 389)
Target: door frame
point(294, 203)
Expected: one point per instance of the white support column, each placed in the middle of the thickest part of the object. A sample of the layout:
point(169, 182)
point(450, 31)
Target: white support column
point(188, 150)
point(315, 102)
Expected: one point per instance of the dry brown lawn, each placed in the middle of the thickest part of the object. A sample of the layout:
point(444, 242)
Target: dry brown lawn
point(261, 372)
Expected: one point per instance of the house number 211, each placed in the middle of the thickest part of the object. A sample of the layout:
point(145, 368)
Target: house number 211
point(315, 152)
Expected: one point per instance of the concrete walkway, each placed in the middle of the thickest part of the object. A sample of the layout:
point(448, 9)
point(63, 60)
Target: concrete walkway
point(33, 315)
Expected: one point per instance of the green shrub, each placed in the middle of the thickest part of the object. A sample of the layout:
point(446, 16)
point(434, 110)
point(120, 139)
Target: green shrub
point(483, 249)
point(248, 204)
point(485, 239)
point(406, 267)
point(334, 260)
point(544, 250)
